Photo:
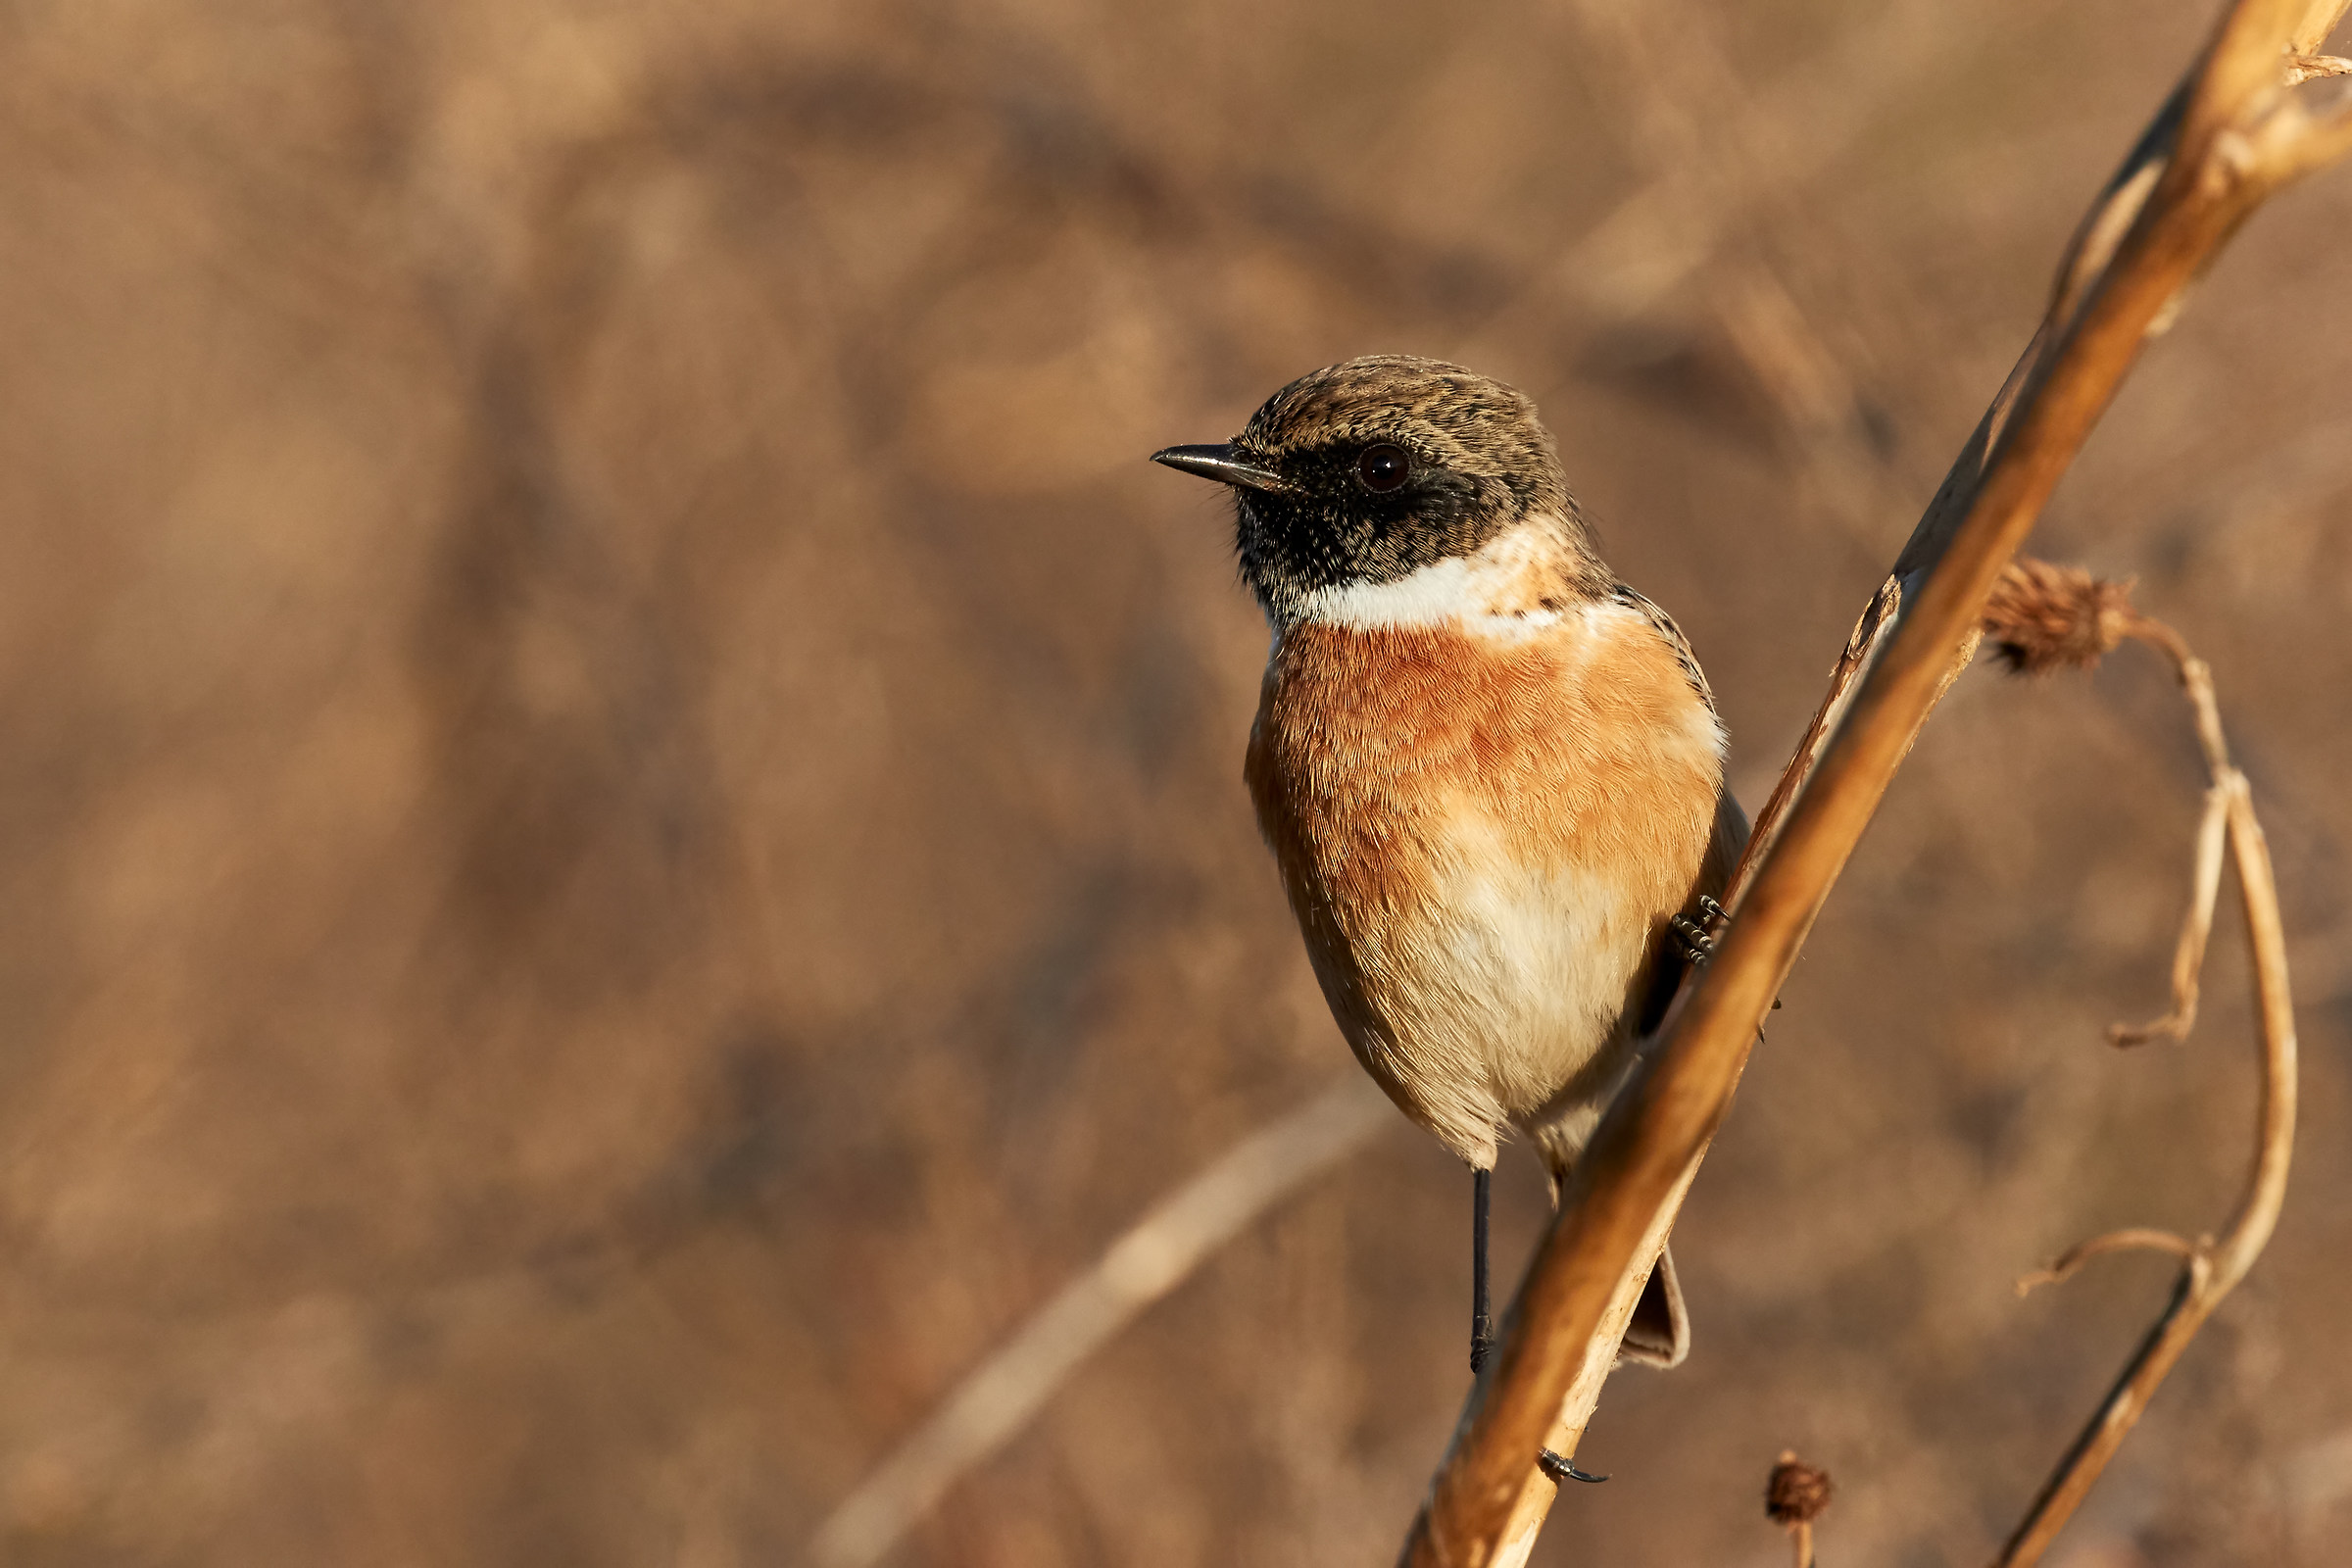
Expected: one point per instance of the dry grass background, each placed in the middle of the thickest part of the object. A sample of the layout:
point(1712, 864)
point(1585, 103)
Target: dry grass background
point(620, 823)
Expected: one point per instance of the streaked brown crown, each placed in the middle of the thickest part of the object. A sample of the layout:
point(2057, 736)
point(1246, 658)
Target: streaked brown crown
point(1479, 460)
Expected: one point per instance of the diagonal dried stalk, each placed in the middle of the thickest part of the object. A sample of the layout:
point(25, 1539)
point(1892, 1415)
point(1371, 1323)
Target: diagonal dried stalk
point(2232, 133)
point(2210, 1268)
point(1158, 1253)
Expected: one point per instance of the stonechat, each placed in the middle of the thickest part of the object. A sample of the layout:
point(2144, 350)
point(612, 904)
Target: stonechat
point(1491, 772)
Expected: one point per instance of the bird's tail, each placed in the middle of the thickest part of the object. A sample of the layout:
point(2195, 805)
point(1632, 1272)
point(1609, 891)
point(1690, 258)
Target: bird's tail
point(1660, 1333)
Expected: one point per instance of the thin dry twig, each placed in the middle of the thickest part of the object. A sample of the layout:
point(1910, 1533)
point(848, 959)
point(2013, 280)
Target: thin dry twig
point(2043, 596)
point(997, 1398)
point(2131, 1239)
point(2229, 135)
point(2309, 68)
point(2043, 617)
point(2196, 928)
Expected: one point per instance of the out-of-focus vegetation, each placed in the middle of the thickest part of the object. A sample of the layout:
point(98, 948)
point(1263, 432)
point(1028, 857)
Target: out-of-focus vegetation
point(619, 809)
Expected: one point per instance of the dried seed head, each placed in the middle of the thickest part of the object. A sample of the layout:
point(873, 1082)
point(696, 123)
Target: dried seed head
point(1797, 1492)
point(2043, 617)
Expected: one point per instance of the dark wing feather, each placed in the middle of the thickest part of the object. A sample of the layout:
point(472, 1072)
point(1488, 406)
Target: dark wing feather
point(1660, 1333)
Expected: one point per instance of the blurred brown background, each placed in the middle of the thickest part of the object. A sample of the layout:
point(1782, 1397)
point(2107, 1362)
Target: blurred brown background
point(620, 811)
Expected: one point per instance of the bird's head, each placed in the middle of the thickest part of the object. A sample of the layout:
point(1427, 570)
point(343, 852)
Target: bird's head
point(1366, 472)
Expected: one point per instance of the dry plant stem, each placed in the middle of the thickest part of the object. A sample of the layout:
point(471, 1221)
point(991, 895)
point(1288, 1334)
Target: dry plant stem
point(2312, 27)
point(2188, 957)
point(2211, 1272)
point(2211, 1268)
point(2196, 928)
point(1000, 1396)
point(2214, 151)
point(2135, 1239)
point(1534, 1501)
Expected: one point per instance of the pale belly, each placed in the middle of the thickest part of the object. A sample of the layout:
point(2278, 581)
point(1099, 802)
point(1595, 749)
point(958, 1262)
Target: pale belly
point(1503, 1000)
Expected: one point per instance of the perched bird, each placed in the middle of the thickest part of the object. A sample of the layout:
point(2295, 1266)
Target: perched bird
point(1491, 772)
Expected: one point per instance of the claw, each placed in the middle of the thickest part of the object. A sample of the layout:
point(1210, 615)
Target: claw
point(1697, 946)
point(1696, 943)
point(1559, 1469)
point(1697, 937)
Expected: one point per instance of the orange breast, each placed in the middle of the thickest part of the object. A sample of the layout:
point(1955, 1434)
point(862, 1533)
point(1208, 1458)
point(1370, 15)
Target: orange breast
point(1415, 782)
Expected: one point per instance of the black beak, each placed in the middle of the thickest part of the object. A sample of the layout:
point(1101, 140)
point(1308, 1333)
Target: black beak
point(1222, 462)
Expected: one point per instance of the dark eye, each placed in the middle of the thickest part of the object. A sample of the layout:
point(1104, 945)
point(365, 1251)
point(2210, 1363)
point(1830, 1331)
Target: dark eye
point(1382, 467)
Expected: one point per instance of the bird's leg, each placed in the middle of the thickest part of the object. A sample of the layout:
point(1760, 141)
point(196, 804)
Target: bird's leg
point(1698, 938)
point(1482, 1317)
point(1482, 1320)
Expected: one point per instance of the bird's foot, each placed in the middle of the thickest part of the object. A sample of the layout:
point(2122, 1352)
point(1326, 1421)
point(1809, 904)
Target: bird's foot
point(1698, 938)
point(1559, 1469)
